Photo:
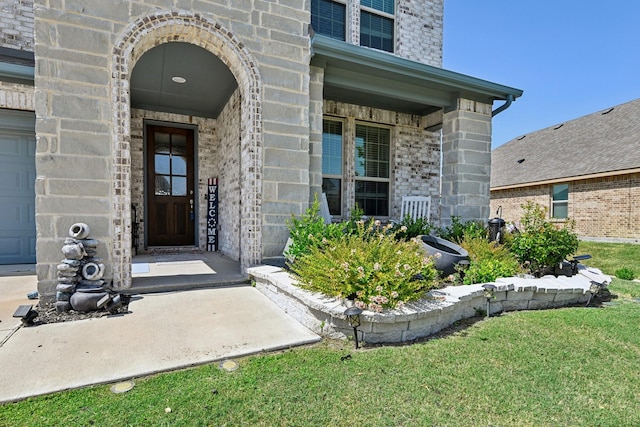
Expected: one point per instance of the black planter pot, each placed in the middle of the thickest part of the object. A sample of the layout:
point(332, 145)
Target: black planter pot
point(450, 253)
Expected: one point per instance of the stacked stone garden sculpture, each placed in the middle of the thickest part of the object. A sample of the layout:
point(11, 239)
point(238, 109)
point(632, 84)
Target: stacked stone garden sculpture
point(80, 284)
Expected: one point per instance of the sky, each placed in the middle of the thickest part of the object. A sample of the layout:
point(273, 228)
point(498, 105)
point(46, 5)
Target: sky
point(570, 57)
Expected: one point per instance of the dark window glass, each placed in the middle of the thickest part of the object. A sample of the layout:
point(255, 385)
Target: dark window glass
point(387, 6)
point(376, 31)
point(332, 164)
point(331, 148)
point(372, 151)
point(332, 188)
point(373, 198)
point(372, 161)
point(329, 18)
point(560, 201)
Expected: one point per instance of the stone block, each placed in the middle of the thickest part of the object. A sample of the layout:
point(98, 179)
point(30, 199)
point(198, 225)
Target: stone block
point(519, 296)
point(538, 305)
point(515, 305)
point(380, 327)
point(544, 296)
point(567, 296)
point(411, 335)
point(386, 337)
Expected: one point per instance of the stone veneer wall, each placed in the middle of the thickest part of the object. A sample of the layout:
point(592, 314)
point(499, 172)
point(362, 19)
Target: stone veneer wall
point(442, 308)
point(602, 208)
point(16, 24)
point(415, 155)
point(86, 52)
point(466, 156)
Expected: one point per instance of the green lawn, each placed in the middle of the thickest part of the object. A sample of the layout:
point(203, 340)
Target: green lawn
point(567, 367)
point(609, 257)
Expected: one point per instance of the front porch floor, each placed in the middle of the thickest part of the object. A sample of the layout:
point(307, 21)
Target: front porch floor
point(162, 272)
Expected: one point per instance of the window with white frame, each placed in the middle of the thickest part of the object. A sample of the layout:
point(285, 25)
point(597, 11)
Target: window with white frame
point(560, 201)
point(377, 21)
point(372, 152)
point(329, 18)
point(332, 164)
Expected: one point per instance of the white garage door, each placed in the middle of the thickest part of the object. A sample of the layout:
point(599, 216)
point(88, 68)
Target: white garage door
point(17, 193)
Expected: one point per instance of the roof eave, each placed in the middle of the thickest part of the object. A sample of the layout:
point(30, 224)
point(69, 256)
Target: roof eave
point(566, 179)
point(339, 57)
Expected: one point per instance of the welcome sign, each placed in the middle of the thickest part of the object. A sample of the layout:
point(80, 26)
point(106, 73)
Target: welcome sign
point(212, 215)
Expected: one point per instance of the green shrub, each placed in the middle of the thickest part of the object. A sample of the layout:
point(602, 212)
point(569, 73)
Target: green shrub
point(457, 231)
point(625, 273)
point(309, 231)
point(369, 266)
point(410, 228)
point(540, 244)
point(488, 261)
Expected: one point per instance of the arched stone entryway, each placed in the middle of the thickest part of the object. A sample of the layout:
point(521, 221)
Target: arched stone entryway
point(139, 37)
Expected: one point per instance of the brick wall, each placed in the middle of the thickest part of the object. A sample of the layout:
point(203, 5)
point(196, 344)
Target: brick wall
point(16, 24)
point(603, 208)
point(418, 29)
point(16, 96)
point(415, 155)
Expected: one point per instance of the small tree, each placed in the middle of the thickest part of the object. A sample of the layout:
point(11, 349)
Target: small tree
point(541, 244)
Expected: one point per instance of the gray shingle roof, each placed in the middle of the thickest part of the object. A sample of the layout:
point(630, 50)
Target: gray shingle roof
point(605, 141)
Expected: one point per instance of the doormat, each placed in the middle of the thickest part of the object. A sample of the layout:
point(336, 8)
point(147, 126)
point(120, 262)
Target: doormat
point(138, 268)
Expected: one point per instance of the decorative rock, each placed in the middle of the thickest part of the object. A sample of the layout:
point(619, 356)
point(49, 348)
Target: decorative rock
point(66, 267)
point(63, 306)
point(74, 251)
point(67, 273)
point(92, 283)
point(63, 296)
point(86, 301)
point(66, 287)
point(72, 262)
point(92, 271)
point(90, 243)
point(79, 230)
point(74, 279)
point(91, 252)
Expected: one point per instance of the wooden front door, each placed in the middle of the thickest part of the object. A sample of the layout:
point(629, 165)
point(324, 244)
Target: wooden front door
point(170, 187)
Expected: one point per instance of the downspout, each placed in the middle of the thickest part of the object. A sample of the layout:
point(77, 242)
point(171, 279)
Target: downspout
point(503, 107)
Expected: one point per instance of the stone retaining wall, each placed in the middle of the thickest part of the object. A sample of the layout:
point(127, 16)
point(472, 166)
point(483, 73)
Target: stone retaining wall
point(325, 315)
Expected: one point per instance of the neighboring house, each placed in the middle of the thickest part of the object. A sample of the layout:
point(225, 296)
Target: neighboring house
point(139, 103)
point(587, 169)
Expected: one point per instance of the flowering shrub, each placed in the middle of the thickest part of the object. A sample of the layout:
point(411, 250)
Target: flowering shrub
point(540, 244)
point(369, 266)
point(409, 228)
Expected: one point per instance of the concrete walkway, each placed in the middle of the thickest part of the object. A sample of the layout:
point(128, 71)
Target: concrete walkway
point(162, 332)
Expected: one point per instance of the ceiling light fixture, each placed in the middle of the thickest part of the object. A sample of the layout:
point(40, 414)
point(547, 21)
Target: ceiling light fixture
point(179, 79)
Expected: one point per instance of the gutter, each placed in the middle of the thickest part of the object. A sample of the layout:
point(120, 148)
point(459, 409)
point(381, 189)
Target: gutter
point(14, 71)
point(504, 106)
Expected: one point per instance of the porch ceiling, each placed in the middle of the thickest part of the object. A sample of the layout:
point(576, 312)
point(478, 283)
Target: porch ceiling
point(370, 77)
point(209, 82)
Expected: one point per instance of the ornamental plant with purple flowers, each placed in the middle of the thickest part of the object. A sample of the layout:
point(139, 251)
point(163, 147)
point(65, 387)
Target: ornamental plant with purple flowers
point(368, 265)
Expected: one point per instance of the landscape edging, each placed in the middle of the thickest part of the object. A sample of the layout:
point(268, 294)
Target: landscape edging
point(441, 308)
